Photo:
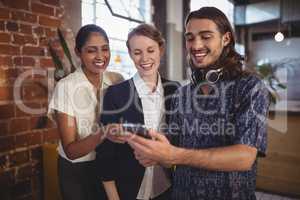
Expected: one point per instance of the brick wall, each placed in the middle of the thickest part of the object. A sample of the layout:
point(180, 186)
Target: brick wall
point(25, 27)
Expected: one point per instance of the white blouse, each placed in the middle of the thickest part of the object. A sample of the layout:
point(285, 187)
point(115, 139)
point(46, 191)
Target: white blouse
point(155, 181)
point(75, 96)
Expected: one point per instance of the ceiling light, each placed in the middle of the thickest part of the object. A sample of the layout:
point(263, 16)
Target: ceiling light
point(279, 37)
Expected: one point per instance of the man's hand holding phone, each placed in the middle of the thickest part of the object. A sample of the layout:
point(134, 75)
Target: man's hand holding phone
point(121, 133)
point(137, 129)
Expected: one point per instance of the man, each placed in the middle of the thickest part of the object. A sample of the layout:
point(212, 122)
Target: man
point(218, 120)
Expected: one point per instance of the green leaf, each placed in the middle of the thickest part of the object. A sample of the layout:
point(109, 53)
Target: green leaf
point(66, 49)
point(265, 70)
point(282, 86)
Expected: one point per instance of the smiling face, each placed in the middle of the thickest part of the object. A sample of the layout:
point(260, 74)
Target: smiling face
point(95, 54)
point(204, 42)
point(145, 54)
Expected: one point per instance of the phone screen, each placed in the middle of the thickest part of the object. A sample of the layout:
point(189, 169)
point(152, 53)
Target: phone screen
point(138, 129)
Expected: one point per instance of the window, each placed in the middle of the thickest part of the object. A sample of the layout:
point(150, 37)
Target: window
point(224, 5)
point(117, 28)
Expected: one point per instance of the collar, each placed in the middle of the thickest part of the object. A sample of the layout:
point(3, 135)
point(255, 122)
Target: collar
point(82, 77)
point(143, 89)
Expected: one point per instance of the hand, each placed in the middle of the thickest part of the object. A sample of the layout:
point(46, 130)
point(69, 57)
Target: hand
point(115, 133)
point(158, 150)
point(144, 161)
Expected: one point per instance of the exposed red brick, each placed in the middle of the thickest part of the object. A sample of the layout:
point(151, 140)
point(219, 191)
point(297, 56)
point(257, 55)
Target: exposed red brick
point(4, 37)
point(9, 49)
point(35, 138)
point(4, 13)
point(19, 158)
point(51, 135)
point(43, 41)
point(29, 139)
point(26, 29)
point(34, 122)
point(40, 31)
point(7, 111)
point(4, 78)
point(42, 9)
point(23, 4)
point(51, 2)
point(12, 72)
point(21, 189)
point(7, 143)
point(34, 92)
point(45, 104)
point(29, 196)
point(3, 128)
point(18, 39)
point(46, 62)
point(50, 32)
point(22, 112)
point(12, 26)
point(37, 168)
point(6, 61)
point(24, 172)
point(19, 125)
point(24, 61)
point(59, 12)
point(22, 16)
point(7, 75)
point(7, 178)
point(28, 72)
point(22, 140)
point(51, 123)
point(24, 39)
point(36, 153)
point(46, 21)
point(3, 161)
point(2, 25)
point(18, 60)
point(28, 61)
point(6, 93)
point(33, 51)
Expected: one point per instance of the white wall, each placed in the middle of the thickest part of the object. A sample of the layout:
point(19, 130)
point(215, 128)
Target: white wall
point(174, 42)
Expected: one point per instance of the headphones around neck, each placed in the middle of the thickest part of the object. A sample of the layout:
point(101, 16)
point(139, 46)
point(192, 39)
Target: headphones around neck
point(209, 75)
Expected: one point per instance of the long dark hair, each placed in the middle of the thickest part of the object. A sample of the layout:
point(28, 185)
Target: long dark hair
point(84, 33)
point(230, 60)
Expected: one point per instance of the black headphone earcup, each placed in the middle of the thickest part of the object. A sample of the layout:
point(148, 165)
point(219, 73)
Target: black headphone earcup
point(197, 76)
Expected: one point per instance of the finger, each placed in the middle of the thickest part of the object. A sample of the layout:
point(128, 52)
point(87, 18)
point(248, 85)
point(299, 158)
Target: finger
point(147, 163)
point(140, 149)
point(142, 141)
point(158, 136)
point(141, 157)
point(116, 139)
point(114, 128)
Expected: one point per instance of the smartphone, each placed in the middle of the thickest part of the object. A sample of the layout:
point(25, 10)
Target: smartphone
point(138, 129)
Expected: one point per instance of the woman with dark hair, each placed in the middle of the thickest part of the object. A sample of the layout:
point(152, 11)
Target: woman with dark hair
point(221, 118)
point(144, 100)
point(76, 104)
